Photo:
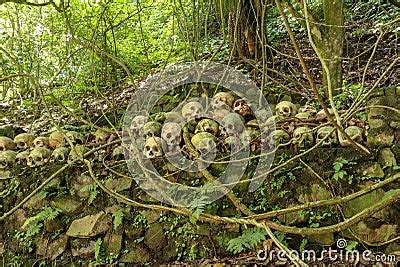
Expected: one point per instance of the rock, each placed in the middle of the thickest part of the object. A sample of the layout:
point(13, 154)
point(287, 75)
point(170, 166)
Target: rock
point(376, 123)
point(134, 233)
point(373, 236)
point(17, 219)
point(379, 138)
point(112, 244)
point(54, 225)
point(139, 253)
point(315, 192)
point(36, 202)
point(155, 237)
point(371, 170)
point(359, 204)
point(151, 215)
point(386, 158)
point(325, 239)
point(391, 248)
point(118, 185)
point(41, 246)
point(67, 205)
point(395, 124)
point(83, 248)
point(57, 247)
point(89, 226)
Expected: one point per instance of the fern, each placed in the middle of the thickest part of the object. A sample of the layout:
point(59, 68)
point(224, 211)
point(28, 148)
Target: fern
point(118, 217)
point(34, 224)
point(249, 239)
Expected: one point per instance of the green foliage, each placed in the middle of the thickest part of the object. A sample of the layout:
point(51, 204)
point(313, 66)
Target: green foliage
point(248, 240)
point(351, 245)
point(34, 224)
point(118, 217)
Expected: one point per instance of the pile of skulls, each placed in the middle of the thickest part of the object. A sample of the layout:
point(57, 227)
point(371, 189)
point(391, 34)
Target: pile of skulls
point(229, 120)
point(26, 149)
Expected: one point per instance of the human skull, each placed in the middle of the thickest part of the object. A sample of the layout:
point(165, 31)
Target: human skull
point(22, 157)
point(327, 131)
point(118, 153)
point(7, 159)
point(24, 141)
point(76, 153)
point(303, 116)
point(232, 124)
point(222, 100)
point(137, 124)
point(231, 142)
point(75, 137)
point(38, 156)
point(192, 110)
point(153, 148)
point(60, 154)
point(303, 137)
point(308, 109)
point(171, 133)
point(355, 133)
point(278, 137)
point(151, 129)
point(41, 142)
point(173, 116)
point(241, 107)
point(209, 126)
point(56, 139)
point(321, 115)
point(285, 109)
point(6, 143)
point(219, 114)
point(204, 142)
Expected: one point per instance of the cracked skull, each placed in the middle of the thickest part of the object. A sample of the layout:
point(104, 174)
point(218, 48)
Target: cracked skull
point(303, 137)
point(204, 142)
point(285, 109)
point(192, 110)
point(222, 100)
point(153, 147)
point(137, 124)
point(172, 134)
point(41, 142)
point(330, 133)
point(355, 133)
point(152, 129)
point(24, 141)
point(6, 143)
point(7, 159)
point(38, 156)
point(209, 126)
point(241, 107)
point(60, 154)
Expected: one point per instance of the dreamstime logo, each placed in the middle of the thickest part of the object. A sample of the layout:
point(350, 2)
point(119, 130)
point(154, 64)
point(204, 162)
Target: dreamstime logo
point(328, 255)
point(153, 138)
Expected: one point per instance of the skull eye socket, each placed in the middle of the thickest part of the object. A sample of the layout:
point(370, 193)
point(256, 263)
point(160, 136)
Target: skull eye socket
point(148, 148)
point(168, 135)
point(286, 110)
point(155, 149)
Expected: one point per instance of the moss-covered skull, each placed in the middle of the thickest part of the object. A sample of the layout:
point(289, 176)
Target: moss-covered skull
point(330, 133)
point(222, 100)
point(285, 109)
point(22, 157)
point(151, 129)
point(192, 110)
point(209, 126)
point(171, 133)
point(204, 142)
point(153, 147)
point(355, 133)
point(321, 115)
point(7, 159)
point(278, 137)
point(137, 124)
point(76, 153)
point(6, 143)
point(75, 137)
point(60, 154)
point(232, 124)
point(38, 156)
point(41, 141)
point(308, 109)
point(101, 136)
point(303, 137)
point(56, 139)
point(118, 153)
point(303, 116)
point(24, 141)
